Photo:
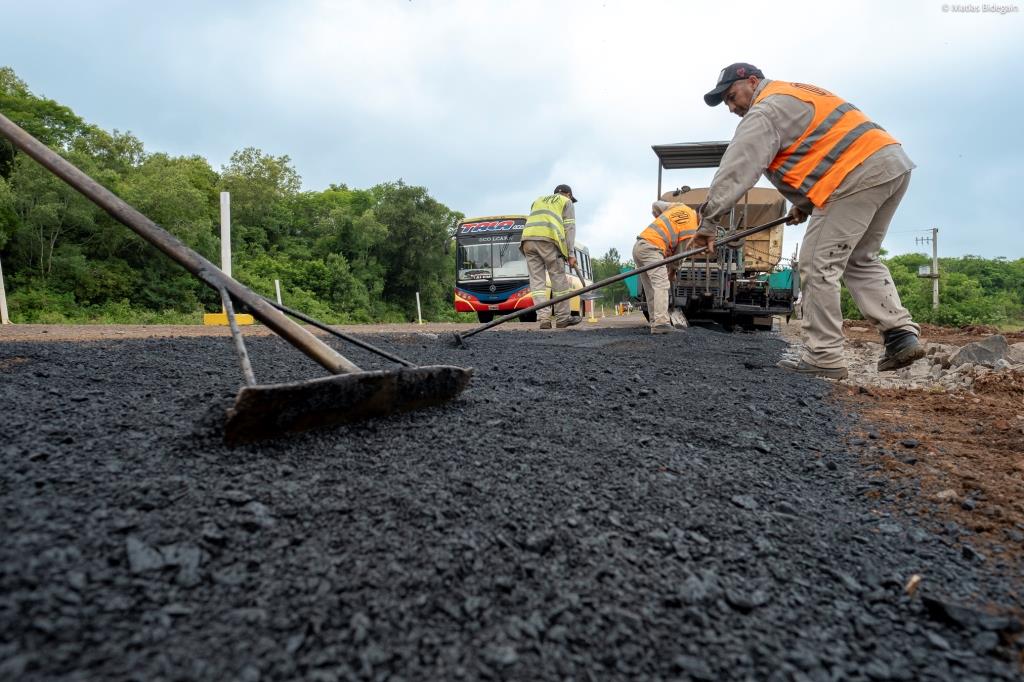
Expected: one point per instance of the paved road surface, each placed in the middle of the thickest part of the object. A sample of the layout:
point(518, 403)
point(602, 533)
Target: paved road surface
point(600, 504)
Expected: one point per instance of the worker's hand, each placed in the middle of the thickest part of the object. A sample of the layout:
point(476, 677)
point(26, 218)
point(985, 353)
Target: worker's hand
point(700, 240)
point(796, 216)
point(572, 261)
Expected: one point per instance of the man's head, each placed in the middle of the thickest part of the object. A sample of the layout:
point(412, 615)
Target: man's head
point(565, 190)
point(736, 84)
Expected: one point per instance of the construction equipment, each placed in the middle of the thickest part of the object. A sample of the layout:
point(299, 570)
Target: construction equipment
point(459, 339)
point(271, 410)
point(738, 286)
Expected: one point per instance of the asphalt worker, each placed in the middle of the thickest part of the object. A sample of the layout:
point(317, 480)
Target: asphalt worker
point(672, 227)
point(848, 175)
point(548, 240)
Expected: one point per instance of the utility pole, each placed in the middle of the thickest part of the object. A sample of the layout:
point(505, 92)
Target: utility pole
point(934, 271)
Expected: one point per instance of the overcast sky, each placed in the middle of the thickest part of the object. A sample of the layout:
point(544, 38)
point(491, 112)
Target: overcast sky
point(489, 104)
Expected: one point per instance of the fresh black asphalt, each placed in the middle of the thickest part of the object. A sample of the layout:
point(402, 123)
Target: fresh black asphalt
point(599, 504)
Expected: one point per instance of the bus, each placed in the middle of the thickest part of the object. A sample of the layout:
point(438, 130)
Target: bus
point(490, 270)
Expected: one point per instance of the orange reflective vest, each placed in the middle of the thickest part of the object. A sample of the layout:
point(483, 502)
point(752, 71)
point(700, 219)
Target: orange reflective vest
point(838, 139)
point(671, 227)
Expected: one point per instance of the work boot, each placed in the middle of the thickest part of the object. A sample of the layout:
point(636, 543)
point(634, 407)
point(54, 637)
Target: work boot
point(663, 329)
point(570, 322)
point(804, 367)
point(901, 349)
point(545, 324)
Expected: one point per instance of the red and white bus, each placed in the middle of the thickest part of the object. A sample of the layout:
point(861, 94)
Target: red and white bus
point(490, 271)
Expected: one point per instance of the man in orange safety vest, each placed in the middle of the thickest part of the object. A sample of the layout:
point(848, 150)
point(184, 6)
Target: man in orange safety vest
point(848, 175)
point(672, 227)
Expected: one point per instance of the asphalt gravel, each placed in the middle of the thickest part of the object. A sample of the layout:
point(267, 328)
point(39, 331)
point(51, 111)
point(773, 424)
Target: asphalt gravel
point(599, 504)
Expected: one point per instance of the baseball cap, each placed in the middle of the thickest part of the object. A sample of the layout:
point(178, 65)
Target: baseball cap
point(730, 74)
point(566, 189)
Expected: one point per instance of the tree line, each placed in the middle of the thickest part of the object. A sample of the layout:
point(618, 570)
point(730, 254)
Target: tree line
point(341, 254)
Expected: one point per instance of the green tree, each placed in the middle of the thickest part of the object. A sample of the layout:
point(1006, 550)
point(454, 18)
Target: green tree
point(52, 124)
point(46, 211)
point(261, 188)
point(413, 253)
point(609, 265)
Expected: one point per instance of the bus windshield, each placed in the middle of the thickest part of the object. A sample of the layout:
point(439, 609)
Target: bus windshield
point(488, 248)
point(491, 259)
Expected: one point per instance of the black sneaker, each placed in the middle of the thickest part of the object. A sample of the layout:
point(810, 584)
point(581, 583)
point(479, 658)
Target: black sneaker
point(572, 321)
point(901, 349)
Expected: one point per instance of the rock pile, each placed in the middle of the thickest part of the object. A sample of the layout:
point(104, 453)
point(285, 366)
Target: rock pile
point(945, 367)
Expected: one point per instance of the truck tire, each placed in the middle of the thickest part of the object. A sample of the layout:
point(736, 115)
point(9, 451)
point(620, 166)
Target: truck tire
point(642, 302)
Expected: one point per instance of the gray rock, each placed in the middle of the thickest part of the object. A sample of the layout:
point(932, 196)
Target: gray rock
point(694, 667)
point(984, 643)
point(937, 640)
point(985, 352)
point(142, 557)
point(187, 557)
point(259, 517)
point(744, 501)
point(1015, 353)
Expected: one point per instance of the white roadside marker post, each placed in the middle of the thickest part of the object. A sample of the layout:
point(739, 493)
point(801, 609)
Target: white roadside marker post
point(419, 313)
point(221, 318)
point(225, 233)
point(4, 319)
point(277, 289)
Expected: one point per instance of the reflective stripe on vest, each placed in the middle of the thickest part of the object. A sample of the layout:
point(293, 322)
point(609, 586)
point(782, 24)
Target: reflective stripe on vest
point(545, 221)
point(838, 139)
point(671, 227)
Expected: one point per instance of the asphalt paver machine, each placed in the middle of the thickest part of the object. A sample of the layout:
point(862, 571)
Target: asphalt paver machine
point(743, 284)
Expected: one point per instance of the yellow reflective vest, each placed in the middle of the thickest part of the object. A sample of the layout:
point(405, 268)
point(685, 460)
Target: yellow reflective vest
point(546, 221)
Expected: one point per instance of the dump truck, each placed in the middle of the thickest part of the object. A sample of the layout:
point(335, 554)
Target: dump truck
point(744, 284)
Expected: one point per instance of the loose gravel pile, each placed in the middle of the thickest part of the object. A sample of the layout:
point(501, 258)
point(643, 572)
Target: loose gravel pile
point(600, 504)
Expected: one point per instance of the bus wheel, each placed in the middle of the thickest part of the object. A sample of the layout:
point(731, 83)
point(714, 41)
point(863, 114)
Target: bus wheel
point(484, 317)
point(529, 317)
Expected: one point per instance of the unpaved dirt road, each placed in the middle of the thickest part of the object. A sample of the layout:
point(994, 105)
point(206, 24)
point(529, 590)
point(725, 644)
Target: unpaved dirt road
point(599, 504)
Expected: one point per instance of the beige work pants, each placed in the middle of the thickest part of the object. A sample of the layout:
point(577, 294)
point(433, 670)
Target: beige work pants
point(544, 260)
point(842, 241)
point(654, 281)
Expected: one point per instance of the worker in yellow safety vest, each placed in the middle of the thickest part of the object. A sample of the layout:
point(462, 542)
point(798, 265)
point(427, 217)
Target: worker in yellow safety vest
point(848, 175)
point(548, 242)
point(673, 226)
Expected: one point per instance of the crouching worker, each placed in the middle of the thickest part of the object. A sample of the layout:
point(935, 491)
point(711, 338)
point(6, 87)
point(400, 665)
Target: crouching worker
point(673, 226)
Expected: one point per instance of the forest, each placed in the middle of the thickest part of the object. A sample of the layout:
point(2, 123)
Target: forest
point(344, 255)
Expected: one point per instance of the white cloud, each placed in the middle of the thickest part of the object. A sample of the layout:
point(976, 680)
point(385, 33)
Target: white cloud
point(490, 103)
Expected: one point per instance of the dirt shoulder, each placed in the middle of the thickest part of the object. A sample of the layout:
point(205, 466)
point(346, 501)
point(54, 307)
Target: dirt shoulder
point(954, 430)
